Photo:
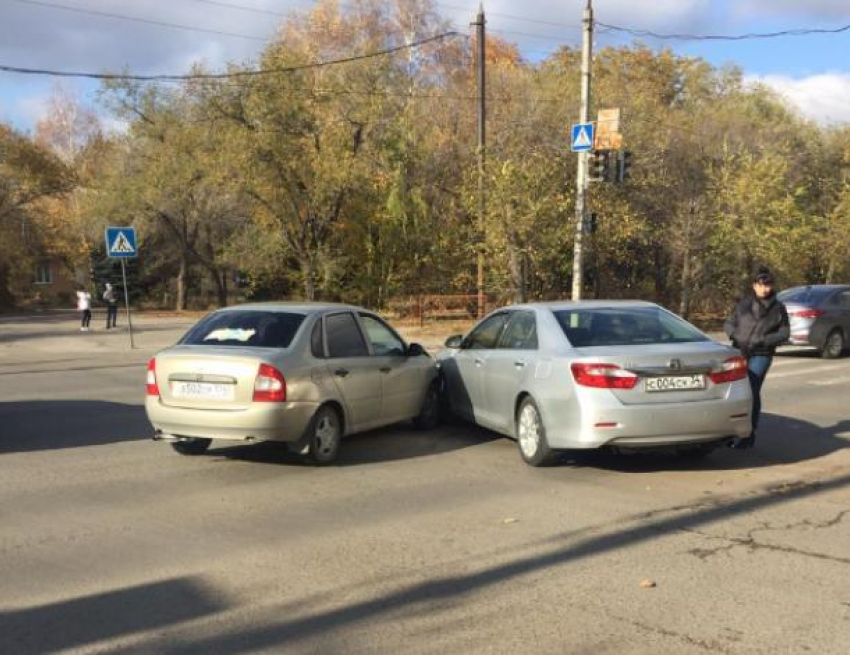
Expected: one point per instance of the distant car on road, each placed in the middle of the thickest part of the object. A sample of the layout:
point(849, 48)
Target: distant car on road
point(304, 374)
point(820, 317)
point(625, 374)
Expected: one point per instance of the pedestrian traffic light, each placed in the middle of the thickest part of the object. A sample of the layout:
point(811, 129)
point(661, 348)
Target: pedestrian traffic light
point(624, 164)
point(600, 165)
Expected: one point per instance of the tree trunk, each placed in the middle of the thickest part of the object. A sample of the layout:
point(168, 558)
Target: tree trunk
point(219, 277)
point(182, 299)
point(308, 271)
point(685, 301)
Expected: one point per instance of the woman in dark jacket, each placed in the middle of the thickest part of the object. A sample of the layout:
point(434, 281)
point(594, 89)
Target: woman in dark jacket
point(757, 326)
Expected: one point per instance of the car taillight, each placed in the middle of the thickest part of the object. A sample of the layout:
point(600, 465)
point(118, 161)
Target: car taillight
point(603, 376)
point(270, 385)
point(807, 313)
point(734, 368)
point(152, 387)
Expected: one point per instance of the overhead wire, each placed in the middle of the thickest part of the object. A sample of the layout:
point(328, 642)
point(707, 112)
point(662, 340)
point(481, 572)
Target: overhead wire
point(136, 19)
point(723, 37)
point(232, 74)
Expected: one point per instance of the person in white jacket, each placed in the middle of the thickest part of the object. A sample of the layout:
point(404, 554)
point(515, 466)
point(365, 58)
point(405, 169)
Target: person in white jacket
point(84, 305)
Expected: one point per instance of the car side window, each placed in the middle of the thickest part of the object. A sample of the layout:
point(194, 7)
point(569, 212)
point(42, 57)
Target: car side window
point(486, 335)
point(344, 337)
point(521, 333)
point(384, 341)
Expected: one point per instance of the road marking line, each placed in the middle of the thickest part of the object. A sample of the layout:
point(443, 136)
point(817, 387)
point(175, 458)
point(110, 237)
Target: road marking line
point(809, 371)
point(827, 383)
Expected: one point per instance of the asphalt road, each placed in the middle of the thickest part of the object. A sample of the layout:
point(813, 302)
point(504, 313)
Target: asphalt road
point(440, 542)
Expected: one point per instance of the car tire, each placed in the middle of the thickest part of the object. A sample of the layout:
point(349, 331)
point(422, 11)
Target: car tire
point(191, 446)
point(323, 437)
point(531, 435)
point(429, 414)
point(833, 345)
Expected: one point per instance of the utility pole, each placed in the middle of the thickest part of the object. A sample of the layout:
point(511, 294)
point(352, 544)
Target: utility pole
point(581, 173)
point(482, 135)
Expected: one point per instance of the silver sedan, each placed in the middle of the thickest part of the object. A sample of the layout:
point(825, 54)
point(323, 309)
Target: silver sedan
point(304, 374)
point(625, 374)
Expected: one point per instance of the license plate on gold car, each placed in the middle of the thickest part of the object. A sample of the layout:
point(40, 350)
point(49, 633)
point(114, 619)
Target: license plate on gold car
point(210, 390)
point(676, 383)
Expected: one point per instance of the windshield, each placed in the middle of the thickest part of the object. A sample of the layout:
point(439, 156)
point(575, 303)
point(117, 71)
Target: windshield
point(252, 328)
point(625, 326)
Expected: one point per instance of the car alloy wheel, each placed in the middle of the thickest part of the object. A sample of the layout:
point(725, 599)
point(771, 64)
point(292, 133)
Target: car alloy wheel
point(326, 432)
point(531, 435)
point(834, 345)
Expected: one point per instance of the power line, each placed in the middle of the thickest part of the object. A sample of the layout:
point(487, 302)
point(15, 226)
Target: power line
point(724, 37)
point(134, 19)
point(253, 10)
point(236, 74)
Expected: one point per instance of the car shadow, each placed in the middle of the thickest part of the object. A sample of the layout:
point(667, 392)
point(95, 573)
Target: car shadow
point(781, 440)
point(53, 424)
point(84, 621)
point(395, 442)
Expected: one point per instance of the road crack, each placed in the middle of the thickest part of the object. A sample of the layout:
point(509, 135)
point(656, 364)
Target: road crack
point(752, 544)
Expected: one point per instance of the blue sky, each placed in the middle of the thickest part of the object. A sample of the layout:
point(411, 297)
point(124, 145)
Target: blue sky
point(813, 72)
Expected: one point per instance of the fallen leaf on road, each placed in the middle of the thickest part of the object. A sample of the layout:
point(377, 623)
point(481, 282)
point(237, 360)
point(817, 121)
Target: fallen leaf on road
point(646, 583)
point(506, 521)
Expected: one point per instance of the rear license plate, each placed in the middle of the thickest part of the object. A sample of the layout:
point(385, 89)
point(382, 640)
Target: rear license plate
point(210, 390)
point(676, 383)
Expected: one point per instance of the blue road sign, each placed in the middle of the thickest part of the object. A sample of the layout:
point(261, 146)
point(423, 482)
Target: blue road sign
point(121, 242)
point(582, 139)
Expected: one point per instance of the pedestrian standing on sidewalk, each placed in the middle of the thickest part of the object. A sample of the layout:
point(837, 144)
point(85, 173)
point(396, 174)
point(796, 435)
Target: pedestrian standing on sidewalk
point(111, 299)
point(84, 305)
point(757, 326)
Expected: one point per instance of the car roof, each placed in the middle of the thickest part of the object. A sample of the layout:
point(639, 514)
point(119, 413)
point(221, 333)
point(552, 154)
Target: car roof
point(298, 307)
point(556, 305)
point(825, 287)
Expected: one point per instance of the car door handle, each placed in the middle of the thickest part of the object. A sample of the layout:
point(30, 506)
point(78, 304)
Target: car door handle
point(519, 363)
point(341, 372)
point(479, 362)
point(385, 369)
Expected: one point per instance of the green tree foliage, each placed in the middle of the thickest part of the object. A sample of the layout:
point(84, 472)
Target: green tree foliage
point(358, 181)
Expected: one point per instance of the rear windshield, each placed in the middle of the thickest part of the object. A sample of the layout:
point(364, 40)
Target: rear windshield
point(625, 326)
point(805, 295)
point(252, 328)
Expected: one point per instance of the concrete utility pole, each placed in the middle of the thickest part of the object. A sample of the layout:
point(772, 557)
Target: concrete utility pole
point(482, 117)
point(581, 173)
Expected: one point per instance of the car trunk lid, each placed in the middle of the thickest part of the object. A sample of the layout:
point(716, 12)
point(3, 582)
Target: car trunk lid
point(205, 377)
point(665, 372)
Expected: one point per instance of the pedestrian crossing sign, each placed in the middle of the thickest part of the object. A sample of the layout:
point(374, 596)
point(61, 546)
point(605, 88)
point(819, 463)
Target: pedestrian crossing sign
point(582, 137)
point(121, 242)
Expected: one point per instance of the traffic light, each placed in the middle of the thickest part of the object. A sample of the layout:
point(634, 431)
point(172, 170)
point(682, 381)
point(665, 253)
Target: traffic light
point(600, 165)
point(624, 164)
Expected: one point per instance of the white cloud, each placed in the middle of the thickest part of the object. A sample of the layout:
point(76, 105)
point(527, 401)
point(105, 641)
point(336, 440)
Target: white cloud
point(823, 98)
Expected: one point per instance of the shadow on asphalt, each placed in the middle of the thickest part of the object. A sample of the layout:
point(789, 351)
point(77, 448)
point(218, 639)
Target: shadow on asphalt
point(387, 444)
point(438, 594)
point(86, 620)
point(53, 424)
point(97, 330)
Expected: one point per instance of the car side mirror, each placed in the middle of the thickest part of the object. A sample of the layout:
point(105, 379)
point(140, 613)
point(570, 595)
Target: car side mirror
point(415, 350)
point(454, 341)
